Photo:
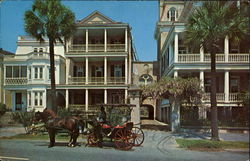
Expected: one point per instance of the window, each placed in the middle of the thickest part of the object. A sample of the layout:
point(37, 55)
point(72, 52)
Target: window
point(38, 98)
point(117, 71)
point(23, 71)
point(8, 71)
point(38, 72)
point(40, 49)
point(172, 14)
point(207, 85)
point(146, 79)
point(29, 98)
point(16, 71)
point(234, 85)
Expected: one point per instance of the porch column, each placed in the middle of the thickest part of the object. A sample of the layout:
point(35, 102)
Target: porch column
point(4, 99)
point(67, 98)
point(202, 79)
point(105, 70)
point(105, 40)
point(226, 48)
point(87, 40)
point(126, 39)
point(126, 70)
point(176, 47)
point(201, 53)
point(86, 99)
point(126, 96)
point(45, 99)
point(226, 86)
point(67, 70)
point(32, 99)
point(105, 96)
point(175, 73)
point(87, 70)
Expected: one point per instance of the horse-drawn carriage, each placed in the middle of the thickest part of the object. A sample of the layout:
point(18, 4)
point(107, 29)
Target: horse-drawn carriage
point(119, 129)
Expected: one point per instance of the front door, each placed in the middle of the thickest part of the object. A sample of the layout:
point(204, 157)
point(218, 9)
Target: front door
point(18, 101)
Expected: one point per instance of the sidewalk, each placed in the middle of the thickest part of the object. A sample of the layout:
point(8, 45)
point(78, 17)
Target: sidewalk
point(11, 131)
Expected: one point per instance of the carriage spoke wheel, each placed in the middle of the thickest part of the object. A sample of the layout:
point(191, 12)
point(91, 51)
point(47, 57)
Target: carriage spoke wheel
point(123, 139)
point(138, 136)
point(92, 140)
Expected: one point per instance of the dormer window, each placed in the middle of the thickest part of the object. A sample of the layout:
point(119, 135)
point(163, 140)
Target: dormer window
point(172, 14)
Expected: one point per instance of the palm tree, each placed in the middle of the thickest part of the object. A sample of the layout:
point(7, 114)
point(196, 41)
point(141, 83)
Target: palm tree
point(207, 26)
point(53, 20)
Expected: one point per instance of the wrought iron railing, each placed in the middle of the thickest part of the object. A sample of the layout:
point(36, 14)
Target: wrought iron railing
point(16, 81)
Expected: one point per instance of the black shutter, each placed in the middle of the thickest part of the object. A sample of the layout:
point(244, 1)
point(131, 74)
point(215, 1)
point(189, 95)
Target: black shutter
point(93, 71)
point(123, 70)
point(112, 71)
point(75, 71)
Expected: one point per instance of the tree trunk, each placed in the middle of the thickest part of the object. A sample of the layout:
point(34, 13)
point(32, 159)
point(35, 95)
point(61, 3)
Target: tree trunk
point(175, 115)
point(214, 117)
point(52, 75)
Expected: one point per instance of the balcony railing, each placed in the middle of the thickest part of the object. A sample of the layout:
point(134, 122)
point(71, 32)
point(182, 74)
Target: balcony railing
point(16, 81)
point(116, 47)
point(96, 80)
point(219, 96)
point(39, 56)
point(115, 80)
point(192, 58)
point(239, 58)
point(77, 80)
point(188, 57)
point(81, 49)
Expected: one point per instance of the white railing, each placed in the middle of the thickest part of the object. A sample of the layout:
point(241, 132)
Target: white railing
point(237, 97)
point(115, 80)
point(16, 81)
point(220, 97)
point(76, 48)
point(219, 58)
point(77, 80)
point(116, 47)
point(96, 80)
point(96, 47)
point(188, 57)
point(39, 56)
point(76, 107)
point(239, 57)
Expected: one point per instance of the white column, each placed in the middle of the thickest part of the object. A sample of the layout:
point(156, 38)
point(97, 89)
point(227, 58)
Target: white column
point(226, 48)
point(87, 70)
point(175, 73)
point(87, 40)
point(126, 96)
point(126, 39)
point(226, 86)
point(105, 40)
point(202, 79)
point(4, 99)
point(67, 70)
point(105, 70)
point(86, 99)
point(105, 96)
point(126, 70)
point(1, 87)
point(67, 98)
point(176, 47)
point(45, 98)
point(32, 99)
point(201, 53)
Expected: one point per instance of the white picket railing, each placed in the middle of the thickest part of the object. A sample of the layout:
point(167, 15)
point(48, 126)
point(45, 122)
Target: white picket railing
point(219, 58)
point(219, 96)
point(239, 58)
point(188, 57)
point(16, 81)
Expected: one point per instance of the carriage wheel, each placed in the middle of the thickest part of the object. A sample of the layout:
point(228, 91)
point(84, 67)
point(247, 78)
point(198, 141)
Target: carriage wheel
point(123, 139)
point(92, 140)
point(138, 135)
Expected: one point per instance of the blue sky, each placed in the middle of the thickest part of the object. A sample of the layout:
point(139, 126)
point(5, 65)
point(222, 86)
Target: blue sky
point(140, 15)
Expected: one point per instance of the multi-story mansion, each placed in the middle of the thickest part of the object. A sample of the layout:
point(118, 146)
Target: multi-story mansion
point(176, 59)
point(94, 67)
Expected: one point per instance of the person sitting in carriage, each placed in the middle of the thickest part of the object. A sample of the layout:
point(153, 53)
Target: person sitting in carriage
point(102, 116)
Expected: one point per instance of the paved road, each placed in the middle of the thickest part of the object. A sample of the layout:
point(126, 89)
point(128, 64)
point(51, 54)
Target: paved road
point(158, 146)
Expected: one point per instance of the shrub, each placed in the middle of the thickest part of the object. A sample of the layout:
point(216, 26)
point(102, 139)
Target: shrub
point(3, 109)
point(24, 118)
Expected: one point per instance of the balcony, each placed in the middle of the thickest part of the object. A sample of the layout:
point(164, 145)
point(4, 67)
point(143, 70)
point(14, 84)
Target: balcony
point(233, 97)
point(39, 56)
point(16, 81)
point(95, 80)
point(83, 49)
point(232, 58)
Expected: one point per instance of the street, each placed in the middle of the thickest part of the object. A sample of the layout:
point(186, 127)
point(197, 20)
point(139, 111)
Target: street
point(158, 146)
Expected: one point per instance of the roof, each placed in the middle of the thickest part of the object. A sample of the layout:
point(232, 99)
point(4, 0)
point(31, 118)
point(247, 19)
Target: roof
point(97, 18)
point(4, 52)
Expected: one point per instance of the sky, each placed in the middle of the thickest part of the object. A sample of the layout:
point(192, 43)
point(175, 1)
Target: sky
point(140, 15)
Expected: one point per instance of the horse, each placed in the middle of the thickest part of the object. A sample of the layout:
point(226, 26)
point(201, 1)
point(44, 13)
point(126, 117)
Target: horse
point(54, 123)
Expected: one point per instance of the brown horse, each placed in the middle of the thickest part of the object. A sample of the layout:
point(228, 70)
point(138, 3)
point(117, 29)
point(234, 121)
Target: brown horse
point(54, 123)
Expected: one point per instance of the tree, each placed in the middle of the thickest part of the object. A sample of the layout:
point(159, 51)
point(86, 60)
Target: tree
point(178, 91)
point(207, 26)
point(53, 20)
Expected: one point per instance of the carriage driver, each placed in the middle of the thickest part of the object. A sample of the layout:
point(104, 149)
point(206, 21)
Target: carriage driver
point(102, 115)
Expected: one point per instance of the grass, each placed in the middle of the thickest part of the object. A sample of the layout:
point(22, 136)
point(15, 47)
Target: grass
point(211, 145)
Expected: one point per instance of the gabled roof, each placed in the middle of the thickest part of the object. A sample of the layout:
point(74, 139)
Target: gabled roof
point(4, 52)
point(96, 18)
